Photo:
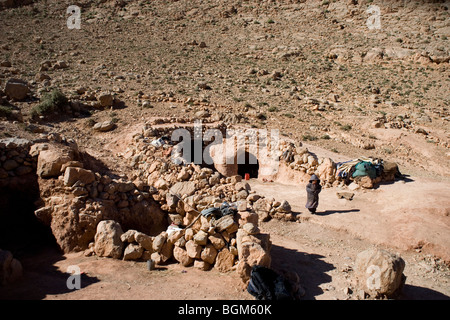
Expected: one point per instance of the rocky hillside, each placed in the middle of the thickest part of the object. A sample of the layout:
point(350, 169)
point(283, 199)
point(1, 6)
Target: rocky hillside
point(83, 91)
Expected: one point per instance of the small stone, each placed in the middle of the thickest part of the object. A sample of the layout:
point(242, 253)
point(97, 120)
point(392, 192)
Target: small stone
point(144, 240)
point(133, 252)
point(250, 228)
point(201, 238)
point(128, 236)
point(106, 99)
point(73, 175)
point(193, 250)
point(209, 254)
point(104, 126)
point(202, 265)
point(158, 242)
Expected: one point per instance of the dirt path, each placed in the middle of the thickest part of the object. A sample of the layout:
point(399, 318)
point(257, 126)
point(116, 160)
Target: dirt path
point(411, 215)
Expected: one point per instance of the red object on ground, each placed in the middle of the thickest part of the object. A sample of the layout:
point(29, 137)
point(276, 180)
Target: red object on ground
point(247, 176)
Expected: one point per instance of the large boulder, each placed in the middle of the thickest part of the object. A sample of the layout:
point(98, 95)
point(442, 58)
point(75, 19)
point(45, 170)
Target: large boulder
point(16, 89)
point(107, 239)
point(379, 272)
point(252, 250)
point(390, 171)
point(52, 157)
point(73, 174)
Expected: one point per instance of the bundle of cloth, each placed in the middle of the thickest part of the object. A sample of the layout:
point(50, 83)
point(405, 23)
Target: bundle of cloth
point(362, 166)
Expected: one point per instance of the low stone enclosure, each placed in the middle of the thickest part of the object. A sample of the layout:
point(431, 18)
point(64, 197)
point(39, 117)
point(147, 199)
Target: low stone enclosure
point(153, 212)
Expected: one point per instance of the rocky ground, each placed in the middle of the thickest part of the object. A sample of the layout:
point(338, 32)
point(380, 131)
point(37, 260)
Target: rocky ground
point(312, 69)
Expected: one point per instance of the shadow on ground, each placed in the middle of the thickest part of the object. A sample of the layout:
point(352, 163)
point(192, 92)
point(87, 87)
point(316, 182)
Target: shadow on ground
point(411, 292)
point(310, 268)
point(328, 212)
point(41, 277)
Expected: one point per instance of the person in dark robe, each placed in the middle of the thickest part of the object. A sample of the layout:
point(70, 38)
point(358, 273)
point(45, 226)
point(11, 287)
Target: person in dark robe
point(313, 189)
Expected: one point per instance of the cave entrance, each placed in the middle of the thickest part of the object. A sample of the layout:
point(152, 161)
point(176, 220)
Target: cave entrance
point(20, 230)
point(247, 164)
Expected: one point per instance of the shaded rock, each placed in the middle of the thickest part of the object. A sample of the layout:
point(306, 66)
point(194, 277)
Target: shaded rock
point(166, 251)
point(106, 99)
point(16, 89)
point(159, 241)
point(10, 268)
point(10, 164)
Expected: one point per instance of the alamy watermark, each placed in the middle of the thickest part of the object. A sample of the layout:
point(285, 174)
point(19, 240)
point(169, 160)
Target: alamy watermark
point(74, 281)
point(374, 20)
point(74, 20)
point(374, 281)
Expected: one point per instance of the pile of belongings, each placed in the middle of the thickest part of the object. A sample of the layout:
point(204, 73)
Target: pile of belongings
point(217, 213)
point(160, 141)
point(362, 166)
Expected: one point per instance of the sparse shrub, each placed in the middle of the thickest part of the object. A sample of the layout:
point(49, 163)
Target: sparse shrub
point(50, 102)
point(326, 137)
point(289, 115)
point(308, 137)
point(272, 109)
point(5, 111)
point(90, 123)
point(346, 127)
